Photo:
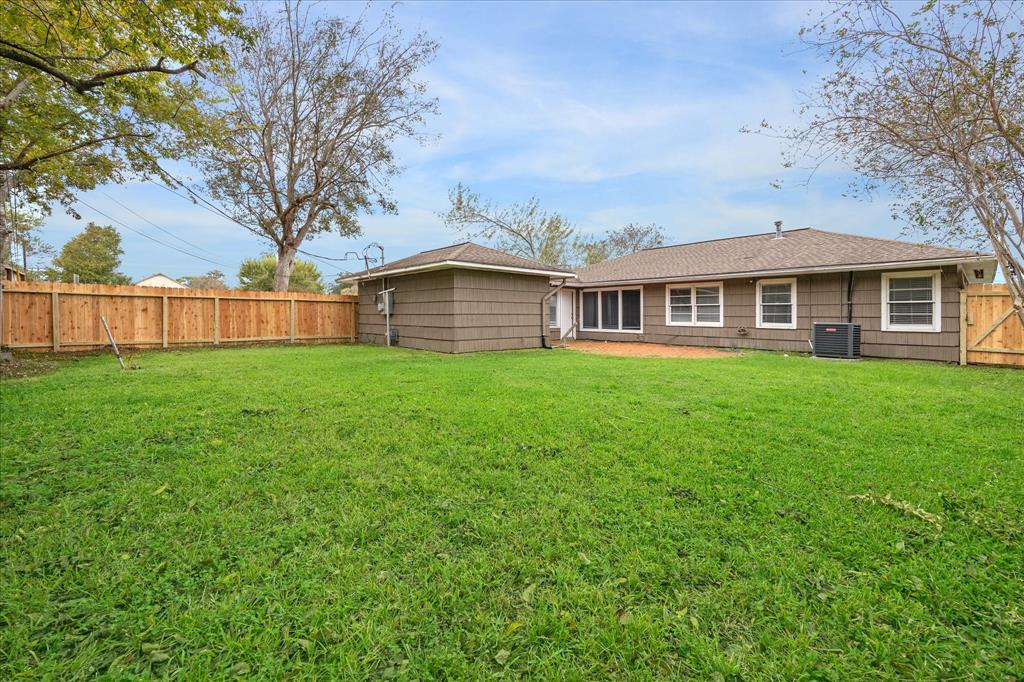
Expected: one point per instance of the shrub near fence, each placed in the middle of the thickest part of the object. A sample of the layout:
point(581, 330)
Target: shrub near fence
point(47, 316)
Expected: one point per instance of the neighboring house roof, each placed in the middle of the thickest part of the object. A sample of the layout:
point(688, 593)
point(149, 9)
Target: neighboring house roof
point(800, 250)
point(13, 272)
point(464, 255)
point(160, 280)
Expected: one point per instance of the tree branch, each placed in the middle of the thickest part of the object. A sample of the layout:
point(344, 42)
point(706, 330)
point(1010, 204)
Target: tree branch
point(16, 53)
point(28, 163)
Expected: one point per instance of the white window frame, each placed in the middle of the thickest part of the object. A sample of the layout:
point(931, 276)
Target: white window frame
point(777, 325)
point(600, 311)
point(553, 319)
point(936, 325)
point(692, 286)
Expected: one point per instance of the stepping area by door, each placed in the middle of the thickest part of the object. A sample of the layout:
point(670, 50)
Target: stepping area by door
point(647, 350)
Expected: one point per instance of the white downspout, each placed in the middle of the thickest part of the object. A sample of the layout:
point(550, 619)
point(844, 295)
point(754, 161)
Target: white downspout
point(386, 298)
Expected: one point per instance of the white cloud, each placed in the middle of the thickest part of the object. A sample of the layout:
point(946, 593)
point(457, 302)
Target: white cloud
point(610, 113)
point(503, 117)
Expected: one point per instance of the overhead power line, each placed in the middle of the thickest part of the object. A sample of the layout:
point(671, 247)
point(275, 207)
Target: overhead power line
point(151, 238)
point(204, 203)
point(162, 229)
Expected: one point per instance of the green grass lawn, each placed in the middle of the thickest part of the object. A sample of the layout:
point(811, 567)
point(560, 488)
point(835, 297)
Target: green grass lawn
point(359, 512)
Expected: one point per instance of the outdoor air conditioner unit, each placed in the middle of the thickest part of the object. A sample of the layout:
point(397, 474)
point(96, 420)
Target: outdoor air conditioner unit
point(836, 340)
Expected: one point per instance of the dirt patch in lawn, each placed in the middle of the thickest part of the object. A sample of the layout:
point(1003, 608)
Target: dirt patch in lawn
point(647, 350)
point(28, 364)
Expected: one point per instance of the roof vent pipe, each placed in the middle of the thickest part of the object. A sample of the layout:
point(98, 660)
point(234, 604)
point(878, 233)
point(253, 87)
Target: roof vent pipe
point(778, 230)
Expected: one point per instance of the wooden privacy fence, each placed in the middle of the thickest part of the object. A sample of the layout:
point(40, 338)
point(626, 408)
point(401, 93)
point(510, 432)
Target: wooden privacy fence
point(66, 317)
point(990, 331)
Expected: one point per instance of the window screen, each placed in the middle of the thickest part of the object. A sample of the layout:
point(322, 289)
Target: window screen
point(911, 301)
point(609, 310)
point(590, 309)
point(680, 304)
point(777, 303)
point(553, 311)
point(708, 304)
point(631, 312)
point(695, 305)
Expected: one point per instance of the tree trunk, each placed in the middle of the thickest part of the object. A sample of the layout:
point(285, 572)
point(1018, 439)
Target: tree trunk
point(285, 264)
point(5, 229)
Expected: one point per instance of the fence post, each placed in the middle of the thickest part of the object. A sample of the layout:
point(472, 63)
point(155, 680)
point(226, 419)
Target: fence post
point(55, 306)
point(354, 319)
point(291, 321)
point(216, 320)
point(963, 326)
point(163, 327)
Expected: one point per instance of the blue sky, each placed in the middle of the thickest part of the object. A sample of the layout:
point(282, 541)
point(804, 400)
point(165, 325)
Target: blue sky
point(609, 113)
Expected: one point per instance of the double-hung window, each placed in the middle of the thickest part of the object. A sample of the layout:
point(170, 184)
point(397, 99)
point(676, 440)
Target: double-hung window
point(613, 310)
point(694, 305)
point(776, 303)
point(911, 301)
point(553, 310)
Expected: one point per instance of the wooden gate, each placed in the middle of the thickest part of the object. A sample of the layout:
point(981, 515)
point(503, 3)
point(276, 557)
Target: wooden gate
point(990, 331)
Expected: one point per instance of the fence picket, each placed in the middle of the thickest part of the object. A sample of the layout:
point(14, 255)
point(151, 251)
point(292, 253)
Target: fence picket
point(997, 337)
point(183, 316)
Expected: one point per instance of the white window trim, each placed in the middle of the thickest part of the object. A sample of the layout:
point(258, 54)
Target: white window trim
point(553, 320)
point(936, 325)
point(692, 286)
point(600, 311)
point(777, 325)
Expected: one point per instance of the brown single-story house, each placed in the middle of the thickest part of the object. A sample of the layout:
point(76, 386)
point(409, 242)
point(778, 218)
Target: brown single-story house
point(457, 299)
point(767, 290)
point(762, 291)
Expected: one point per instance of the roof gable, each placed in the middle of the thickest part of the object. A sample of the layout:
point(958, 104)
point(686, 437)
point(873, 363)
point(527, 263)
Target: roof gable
point(465, 254)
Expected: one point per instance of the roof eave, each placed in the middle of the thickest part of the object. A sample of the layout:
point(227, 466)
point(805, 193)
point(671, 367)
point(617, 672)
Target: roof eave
point(952, 260)
point(447, 264)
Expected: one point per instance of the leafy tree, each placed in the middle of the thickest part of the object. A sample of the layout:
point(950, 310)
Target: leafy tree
point(313, 110)
point(931, 105)
point(94, 255)
point(258, 274)
point(340, 287)
point(214, 279)
point(523, 229)
point(623, 241)
point(93, 91)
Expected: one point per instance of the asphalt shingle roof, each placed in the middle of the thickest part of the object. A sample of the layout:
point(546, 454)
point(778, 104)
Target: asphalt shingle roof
point(798, 249)
point(466, 252)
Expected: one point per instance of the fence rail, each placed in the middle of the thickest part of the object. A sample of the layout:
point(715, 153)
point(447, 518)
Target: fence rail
point(47, 316)
point(990, 331)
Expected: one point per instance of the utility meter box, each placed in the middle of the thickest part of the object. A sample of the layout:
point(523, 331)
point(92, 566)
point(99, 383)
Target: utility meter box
point(385, 302)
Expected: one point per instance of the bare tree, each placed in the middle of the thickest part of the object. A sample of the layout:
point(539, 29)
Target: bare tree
point(311, 117)
point(930, 105)
point(621, 242)
point(523, 229)
point(214, 279)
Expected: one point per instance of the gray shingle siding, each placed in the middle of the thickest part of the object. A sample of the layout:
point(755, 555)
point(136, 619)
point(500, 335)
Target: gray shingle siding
point(458, 310)
point(820, 298)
